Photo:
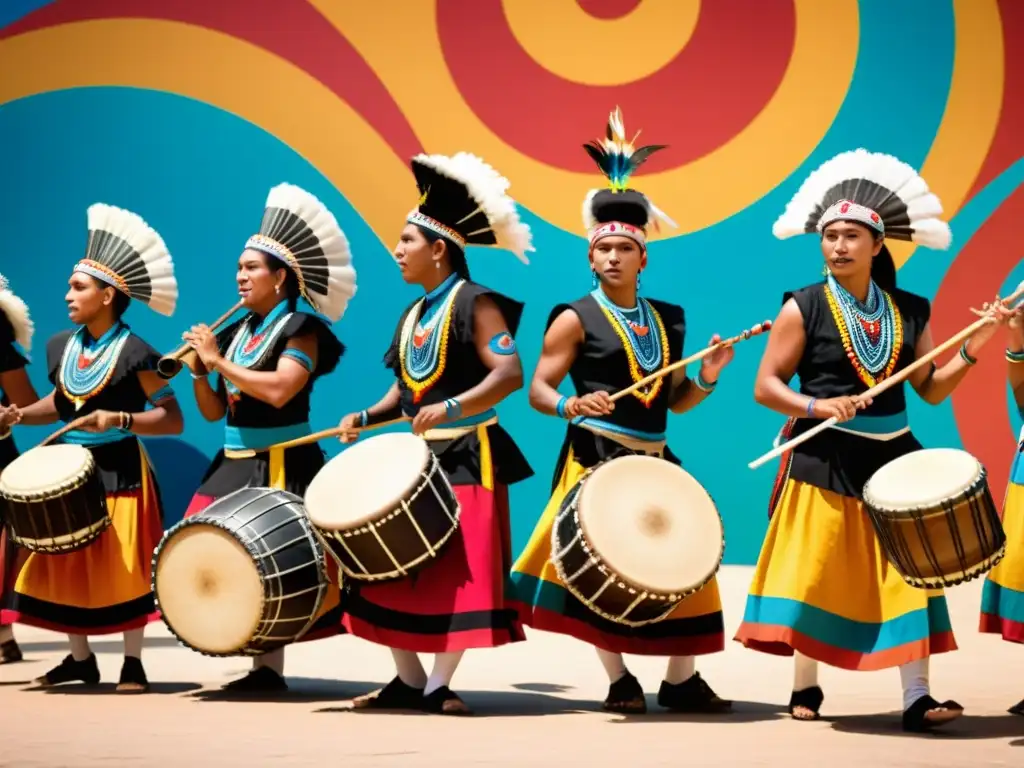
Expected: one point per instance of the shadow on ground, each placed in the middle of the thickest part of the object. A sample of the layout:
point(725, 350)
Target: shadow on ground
point(967, 727)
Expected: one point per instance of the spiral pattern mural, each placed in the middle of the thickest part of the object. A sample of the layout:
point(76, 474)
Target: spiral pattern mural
point(188, 110)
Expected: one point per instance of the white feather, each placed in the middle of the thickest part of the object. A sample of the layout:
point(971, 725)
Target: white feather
point(17, 313)
point(588, 210)
point(488, 188)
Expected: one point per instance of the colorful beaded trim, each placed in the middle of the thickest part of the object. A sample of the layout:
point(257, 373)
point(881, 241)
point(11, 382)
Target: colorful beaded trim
point(437, 228)
point(645, 395)
point(419, 379)
point(248, 347)
point(865, 375)
point(618, 228)
point(84, 373)
point(281, 251)
point(104, 273)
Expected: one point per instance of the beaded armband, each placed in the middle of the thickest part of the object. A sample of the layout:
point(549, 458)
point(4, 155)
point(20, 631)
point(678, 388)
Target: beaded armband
point(1014, 357)
point(704, 386)
point(502, 344)
point(966, 357)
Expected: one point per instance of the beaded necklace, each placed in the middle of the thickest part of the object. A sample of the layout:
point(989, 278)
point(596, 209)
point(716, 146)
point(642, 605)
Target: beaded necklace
point(423, 344)
point(872, 331)
point(643, 337)
point(250, 345)
point(88, 364)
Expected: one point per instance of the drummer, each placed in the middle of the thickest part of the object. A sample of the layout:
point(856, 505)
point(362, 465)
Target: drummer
point(845, 605)
point(104, 373)
point(1002, 598)
point(268, 362)
point(606, 341)
point(16, 331)
point(454, 359)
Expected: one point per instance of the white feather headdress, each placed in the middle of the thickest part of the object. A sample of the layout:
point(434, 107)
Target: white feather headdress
point(17, 314)
point(465, 200)
point(299, 230)
point(880, 183)
point(125, 252)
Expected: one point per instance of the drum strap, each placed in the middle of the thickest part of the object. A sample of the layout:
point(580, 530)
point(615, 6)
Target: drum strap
point(277, 476)
point(649, 447)
point(454, 433)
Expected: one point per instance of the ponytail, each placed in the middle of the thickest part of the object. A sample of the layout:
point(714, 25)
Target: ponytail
point(883, 270)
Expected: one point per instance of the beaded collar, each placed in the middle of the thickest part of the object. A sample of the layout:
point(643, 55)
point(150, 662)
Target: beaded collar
point(251, 345)
point(872, 331)
point(87, 365)
point(642, 334)
point(423, 343)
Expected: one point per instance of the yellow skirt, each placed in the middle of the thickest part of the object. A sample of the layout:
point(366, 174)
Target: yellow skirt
point(105, 587)
point(824, 586)
point(1002, 598)
point(694, 627)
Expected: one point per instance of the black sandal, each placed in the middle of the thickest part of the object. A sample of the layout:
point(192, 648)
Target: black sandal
point(10, 652)
point(916, 720)
point(693, 696)
point(809, 699)
point(259, 680)
point(71, 671)
point(1017, 709)
point(133, 677)
point(625, 697)
point(444, 701)
point(394, 695)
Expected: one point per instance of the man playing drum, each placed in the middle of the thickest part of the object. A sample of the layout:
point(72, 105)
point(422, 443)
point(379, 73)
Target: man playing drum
point(824, 589)
point(454, 359)
point(1002, 600)
point(16, 330)
point(267, 364)
point(606, 341)
point(104, 374)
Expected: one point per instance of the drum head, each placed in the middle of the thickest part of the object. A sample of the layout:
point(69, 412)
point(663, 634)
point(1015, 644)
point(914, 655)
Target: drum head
point(921, 478)
point(44, 468)
point(366, 480)
point(652, 523)
point(208, 588)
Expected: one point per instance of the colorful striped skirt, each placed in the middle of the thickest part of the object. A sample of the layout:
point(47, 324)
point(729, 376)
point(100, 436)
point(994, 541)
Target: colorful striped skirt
point(271, 471)
point(695, 627)
point(824, 586)
point(462, 599)
point(103, 588)
point(1002, 598)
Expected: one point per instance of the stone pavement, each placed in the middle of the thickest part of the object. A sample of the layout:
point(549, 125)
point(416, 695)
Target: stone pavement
point(536, 702)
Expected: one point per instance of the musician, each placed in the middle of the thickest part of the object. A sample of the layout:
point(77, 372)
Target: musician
point(1002, 599)
point(606, 341)
point(454, 359)
point(16, 330)
point(844, 604)
point(103, 374)
point(268, 362)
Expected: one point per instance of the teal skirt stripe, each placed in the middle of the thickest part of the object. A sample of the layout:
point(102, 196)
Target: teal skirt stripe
point(539, 593)
point(1003, 602)
point(847, 634)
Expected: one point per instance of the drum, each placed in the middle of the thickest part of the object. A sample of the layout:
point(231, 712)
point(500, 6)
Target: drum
point(935, 517)
point(245, 576)
point(53, 499)
point(384, 506)
point(634, 537)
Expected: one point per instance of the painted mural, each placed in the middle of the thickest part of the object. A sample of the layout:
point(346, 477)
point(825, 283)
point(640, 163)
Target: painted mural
point(188, 111)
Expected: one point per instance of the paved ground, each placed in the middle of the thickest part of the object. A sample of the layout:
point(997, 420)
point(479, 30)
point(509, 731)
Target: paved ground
point(536, 704)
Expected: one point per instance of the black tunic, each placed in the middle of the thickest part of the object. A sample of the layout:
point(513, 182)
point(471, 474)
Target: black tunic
point(10, 360)
point(602, 364)
point(301, 463)
point(460, 458)
point(118, 463)
point(835, 460)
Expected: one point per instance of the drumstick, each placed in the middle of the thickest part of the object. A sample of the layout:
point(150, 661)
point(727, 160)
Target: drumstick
point(315, 437)
point(66, 428)
point(887, 383)
point(756, 330)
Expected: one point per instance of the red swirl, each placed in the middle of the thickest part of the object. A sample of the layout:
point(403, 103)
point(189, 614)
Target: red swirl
point(295, 31)
point(608, 9)
point(708, 93)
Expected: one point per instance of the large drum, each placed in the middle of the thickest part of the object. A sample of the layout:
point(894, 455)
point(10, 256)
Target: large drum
point(53, 499)
point(935, 517)
point(384, 506)
point(634, 537)
point(245, 576)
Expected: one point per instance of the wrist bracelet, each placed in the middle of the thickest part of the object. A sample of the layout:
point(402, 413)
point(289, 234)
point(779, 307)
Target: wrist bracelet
point(810, 406)
point(966, 357)
point(364, 418)
point(1014, 357)
point(703, 385)
point(5, 434)
point(560, 408)
point(452, 408)
point(197, 376)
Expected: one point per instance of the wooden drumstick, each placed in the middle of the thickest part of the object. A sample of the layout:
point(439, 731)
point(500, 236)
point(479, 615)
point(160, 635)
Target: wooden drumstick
point(756, 330)
point(315, 437)
point(63, 430)
point(892, 381)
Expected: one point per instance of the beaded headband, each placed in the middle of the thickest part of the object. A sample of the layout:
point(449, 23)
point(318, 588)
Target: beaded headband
point(281, 252)
point(847, 210)
point(435, 226)
point(102, 273)
point(636, 234)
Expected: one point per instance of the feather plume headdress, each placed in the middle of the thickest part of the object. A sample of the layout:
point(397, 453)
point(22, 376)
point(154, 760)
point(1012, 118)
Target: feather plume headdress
point(465, 201)
point(125, 252)
point(300, 231)
point(871, 188)
point(618, 210)
point(16, 312)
